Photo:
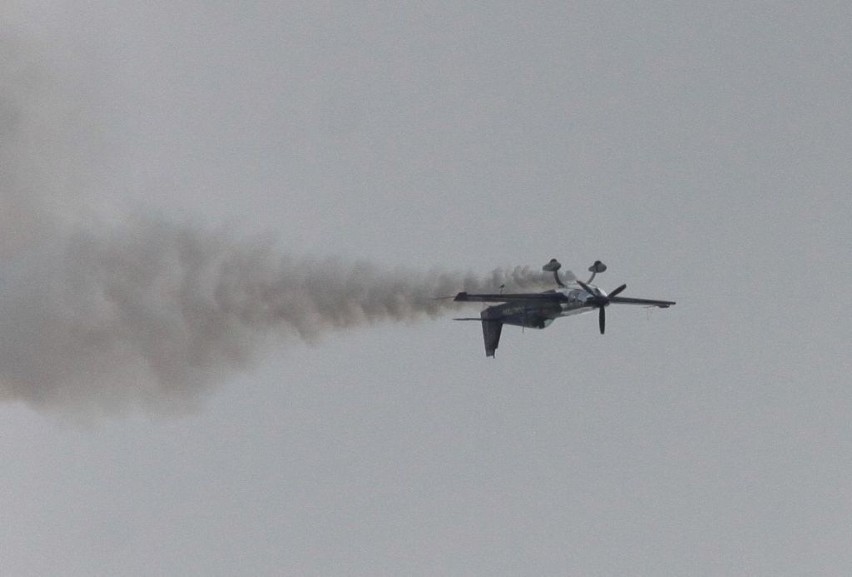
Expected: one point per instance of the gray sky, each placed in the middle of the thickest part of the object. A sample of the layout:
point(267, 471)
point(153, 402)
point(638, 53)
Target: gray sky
point(700, 149)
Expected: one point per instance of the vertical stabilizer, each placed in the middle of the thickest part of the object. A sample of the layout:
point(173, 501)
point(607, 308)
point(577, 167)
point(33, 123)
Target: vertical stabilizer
point(491, 329)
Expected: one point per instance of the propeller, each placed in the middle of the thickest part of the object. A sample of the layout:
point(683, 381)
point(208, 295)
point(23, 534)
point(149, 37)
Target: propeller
point(600, 300)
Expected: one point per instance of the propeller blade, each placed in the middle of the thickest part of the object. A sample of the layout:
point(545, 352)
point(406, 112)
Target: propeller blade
point(587, 288)
point(602, 319)
point(618, 290)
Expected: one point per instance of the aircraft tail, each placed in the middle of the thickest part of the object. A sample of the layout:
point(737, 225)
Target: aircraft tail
point(491, 329)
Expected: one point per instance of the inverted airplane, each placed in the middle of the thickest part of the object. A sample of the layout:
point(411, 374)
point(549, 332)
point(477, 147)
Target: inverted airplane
point(539, 310)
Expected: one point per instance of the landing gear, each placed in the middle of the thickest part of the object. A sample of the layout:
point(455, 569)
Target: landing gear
point(554, 266)
point(595, 269)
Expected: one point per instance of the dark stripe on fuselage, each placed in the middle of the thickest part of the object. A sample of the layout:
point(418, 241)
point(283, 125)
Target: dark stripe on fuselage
point(531, 315)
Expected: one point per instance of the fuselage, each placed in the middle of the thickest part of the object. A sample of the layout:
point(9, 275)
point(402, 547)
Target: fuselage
point(539, 315)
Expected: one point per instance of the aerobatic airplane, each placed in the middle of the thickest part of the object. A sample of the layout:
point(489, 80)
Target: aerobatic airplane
point(538, 310)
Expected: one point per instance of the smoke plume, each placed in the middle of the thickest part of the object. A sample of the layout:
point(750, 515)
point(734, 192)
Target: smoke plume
point(146, 312)
point(152, 312)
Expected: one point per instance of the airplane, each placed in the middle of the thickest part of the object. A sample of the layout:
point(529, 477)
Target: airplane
point(539, 310)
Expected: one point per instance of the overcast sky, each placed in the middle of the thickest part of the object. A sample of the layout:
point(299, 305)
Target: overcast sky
point(700, 149)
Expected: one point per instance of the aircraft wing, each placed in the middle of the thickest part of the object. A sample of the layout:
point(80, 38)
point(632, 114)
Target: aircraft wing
point(547, 297)
point(646, 302)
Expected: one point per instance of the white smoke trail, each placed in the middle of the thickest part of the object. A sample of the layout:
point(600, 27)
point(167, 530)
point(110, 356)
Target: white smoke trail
point(152, 313)
point(148, 312)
